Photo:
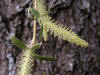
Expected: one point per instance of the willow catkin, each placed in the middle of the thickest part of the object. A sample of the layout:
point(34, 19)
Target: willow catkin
point(64, 33)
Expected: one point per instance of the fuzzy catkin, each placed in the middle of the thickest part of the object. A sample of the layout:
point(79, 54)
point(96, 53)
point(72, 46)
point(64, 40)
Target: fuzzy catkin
point(64, 33)
point(26, 63)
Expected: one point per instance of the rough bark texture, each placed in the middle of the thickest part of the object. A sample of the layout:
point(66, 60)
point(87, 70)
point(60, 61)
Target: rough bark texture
point(82, 16)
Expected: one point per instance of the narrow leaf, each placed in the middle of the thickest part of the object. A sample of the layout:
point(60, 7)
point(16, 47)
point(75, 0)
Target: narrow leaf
point(18, 43)
point(43, 58)
point(36, 46)
point(41, 33)
point(34, 12)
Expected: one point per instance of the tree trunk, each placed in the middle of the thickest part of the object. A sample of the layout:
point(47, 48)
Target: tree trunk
point(82, 16)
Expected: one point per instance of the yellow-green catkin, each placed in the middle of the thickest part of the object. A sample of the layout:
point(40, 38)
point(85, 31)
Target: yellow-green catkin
point(26, 63)
point(64, 33)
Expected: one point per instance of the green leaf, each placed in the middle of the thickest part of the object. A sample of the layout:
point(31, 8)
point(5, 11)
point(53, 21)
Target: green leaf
point(34, 12)
point(41, 33)
point(43, 58)
point(18, 43)
point(36, 46)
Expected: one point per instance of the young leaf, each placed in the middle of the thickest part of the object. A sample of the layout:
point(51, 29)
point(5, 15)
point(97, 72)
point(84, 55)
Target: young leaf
point(34, 12)
point(36, 46)
point(18, 43)
point(43, 58)
point(41, 33)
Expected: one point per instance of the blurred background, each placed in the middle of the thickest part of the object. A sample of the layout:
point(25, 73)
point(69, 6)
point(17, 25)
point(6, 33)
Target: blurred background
point(82, 16)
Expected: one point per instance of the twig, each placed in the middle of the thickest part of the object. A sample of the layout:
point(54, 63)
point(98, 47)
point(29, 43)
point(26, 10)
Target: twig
point(34, 29)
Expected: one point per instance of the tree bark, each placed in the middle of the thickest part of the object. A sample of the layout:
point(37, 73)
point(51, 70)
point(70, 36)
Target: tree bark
point(82, 16)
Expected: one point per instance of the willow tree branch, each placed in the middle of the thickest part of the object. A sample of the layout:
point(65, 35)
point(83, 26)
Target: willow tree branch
point(35, 24)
